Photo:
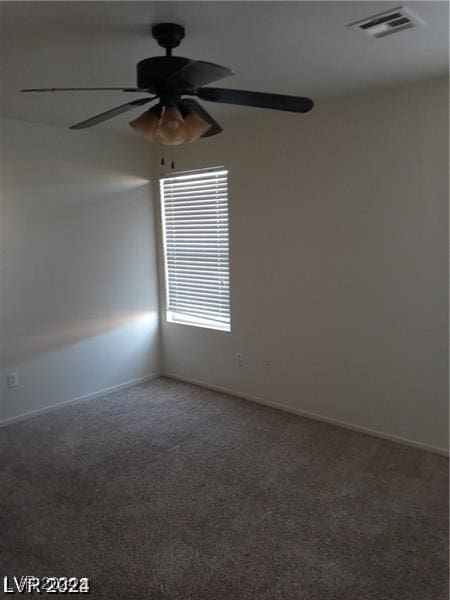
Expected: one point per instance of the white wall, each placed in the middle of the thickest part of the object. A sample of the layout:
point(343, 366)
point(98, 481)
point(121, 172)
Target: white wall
point(339, 262)
point(79, 286)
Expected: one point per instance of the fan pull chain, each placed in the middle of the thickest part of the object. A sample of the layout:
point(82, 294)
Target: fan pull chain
point(163, 160)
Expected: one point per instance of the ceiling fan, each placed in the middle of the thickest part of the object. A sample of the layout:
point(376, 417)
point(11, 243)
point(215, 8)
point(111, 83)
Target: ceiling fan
point(175, 119)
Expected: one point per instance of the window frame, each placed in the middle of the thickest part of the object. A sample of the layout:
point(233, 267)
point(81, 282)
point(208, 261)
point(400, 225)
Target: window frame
point(192, 320)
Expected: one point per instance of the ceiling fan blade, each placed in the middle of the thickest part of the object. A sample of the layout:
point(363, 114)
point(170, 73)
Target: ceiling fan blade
point(197, 73)
point(109, 114)
point(84, 89)
point(257, 99)
point(189, 104)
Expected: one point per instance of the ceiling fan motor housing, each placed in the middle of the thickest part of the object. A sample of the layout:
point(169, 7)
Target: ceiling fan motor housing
point(153, 73)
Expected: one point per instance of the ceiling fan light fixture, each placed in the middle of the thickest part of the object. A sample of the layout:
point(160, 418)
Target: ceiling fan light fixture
point(171, 118)
point(170, 138)
point(195, 126)
point(146, 125)
point(172, 129)
point(169, 78)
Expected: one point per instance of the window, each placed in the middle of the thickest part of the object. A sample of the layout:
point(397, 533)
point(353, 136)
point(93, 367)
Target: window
point(196, 250)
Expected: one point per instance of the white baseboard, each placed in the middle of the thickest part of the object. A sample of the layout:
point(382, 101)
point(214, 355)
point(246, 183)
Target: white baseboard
point(113, 388)
point(310, 415)
point(218, 388)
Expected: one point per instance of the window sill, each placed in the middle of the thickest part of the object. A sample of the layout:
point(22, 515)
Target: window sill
point(197, 323)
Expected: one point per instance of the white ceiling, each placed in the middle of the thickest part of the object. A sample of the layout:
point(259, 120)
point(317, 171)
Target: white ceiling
point(302, 48)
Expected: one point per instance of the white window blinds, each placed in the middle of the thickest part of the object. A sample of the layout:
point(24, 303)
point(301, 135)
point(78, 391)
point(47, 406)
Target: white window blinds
point(196, 249)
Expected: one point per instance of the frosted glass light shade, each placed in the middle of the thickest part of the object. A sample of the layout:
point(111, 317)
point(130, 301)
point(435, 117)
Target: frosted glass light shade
point(170, 137)
point(146, 125)
point(171, 118)
point(195, 126)
point(171, 130)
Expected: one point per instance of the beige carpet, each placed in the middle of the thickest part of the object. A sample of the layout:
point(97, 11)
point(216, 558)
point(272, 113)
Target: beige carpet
point(169, 491)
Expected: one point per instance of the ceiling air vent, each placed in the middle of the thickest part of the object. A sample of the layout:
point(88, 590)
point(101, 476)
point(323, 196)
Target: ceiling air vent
point(387, 23)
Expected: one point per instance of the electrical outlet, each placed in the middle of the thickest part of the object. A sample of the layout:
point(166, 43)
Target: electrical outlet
point(12, 379)
point(267, 365)
point(240, 359)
